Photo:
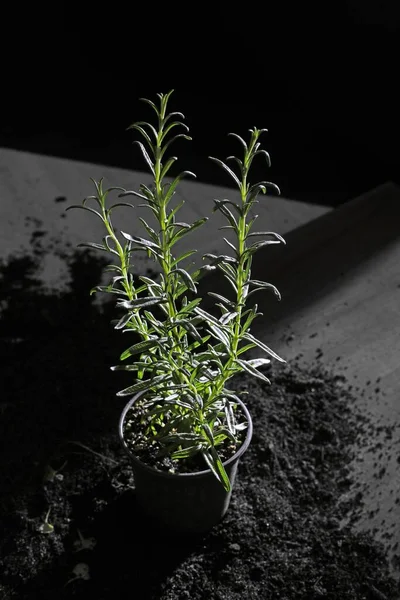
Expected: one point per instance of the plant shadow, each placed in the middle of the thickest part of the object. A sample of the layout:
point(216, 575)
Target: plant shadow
point(133, 553)
point(131, 556)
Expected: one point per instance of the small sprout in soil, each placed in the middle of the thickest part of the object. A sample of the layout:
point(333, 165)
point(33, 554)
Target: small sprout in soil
point(81, 571)
point(84, 543)
point(93, 452)
point(50, 474)
point(46, 527)
point(319, 591)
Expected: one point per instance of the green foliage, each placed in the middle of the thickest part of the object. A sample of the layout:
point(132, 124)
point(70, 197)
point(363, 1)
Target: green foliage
point(186, 356)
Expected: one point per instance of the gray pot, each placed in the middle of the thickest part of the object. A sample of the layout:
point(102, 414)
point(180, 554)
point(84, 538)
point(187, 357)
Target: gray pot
point(186, 502)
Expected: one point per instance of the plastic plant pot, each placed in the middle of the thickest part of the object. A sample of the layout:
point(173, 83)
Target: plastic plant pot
point(183, 502)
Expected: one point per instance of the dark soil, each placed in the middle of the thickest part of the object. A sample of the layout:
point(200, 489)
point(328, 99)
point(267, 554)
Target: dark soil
point(281, 537)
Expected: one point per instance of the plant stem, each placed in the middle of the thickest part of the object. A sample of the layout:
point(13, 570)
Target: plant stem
point(167, 258)
point(241, 270)
point(239, 297)
point(124, 268)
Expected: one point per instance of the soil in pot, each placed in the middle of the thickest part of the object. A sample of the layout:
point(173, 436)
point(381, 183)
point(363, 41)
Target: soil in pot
point(280, 538)
point(135, 438)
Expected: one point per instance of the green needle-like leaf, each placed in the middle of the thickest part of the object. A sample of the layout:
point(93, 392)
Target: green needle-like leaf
point(93, 245)
point(227, 169)
point(142, 386)
point(87, 208)
point(215, 464)
point(146, 156)
point(263, 346)
point(141, 347)
point(123, 321)
point(247, 366)
point(188, 281)
point(186, 452)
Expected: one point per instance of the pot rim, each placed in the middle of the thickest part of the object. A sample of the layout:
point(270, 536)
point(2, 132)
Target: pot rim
point(168, 475)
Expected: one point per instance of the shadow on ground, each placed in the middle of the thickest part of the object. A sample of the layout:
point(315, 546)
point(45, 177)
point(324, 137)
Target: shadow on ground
point(129, 553)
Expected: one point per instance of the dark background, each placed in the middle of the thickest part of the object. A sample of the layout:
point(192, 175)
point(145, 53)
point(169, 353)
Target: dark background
point(322, 78)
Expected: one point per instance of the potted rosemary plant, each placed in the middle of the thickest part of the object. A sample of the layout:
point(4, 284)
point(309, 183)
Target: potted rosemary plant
point(183, 428)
